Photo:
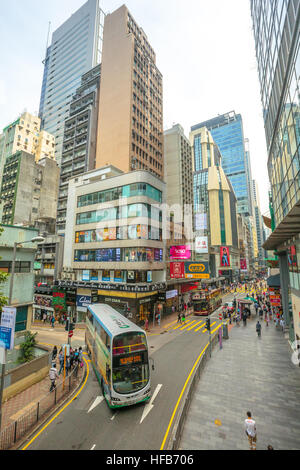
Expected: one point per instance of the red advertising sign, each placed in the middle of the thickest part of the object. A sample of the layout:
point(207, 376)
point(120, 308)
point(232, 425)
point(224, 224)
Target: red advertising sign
point(243, 264)
point(224, 257)
point(189, 287)
point(177, 271)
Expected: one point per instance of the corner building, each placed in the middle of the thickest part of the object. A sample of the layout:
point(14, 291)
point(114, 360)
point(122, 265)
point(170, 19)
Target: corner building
point(117, 251)
point(130, 129)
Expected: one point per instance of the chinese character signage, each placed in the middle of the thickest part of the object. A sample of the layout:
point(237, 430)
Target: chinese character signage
point(224, 257)
point(8, 322)
point(243, 264)
point(201, 245)
point(177, 271)
point(197, 270)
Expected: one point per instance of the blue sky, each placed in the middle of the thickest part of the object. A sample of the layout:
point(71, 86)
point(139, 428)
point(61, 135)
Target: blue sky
point(205, 51)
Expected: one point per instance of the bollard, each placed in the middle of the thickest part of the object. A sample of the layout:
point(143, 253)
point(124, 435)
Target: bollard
point(225, 331)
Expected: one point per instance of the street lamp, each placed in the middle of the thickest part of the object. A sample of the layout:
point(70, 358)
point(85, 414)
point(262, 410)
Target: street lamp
point(4, 360)
point(16, 244)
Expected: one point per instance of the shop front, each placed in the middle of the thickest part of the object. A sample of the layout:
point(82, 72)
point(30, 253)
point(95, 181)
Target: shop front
point(83, 300)
point(42, 305)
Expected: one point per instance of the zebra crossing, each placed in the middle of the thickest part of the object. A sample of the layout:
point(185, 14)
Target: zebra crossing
point(193, 326)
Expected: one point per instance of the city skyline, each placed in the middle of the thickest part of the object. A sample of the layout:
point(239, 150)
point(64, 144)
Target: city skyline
point(236, 88)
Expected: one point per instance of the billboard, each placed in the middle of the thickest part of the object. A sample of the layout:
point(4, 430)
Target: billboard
point(243, 264)
point(201, 221)
point(180, 252)
point(224, 257)
point(177, 271)
point(201, 245)
point(196, 270)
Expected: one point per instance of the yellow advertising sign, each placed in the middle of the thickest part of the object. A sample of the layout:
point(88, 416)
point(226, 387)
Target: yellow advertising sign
point(197, 276)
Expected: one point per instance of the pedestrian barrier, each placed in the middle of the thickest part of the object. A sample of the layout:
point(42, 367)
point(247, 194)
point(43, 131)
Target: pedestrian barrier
point(174, 440)
point(12, 433)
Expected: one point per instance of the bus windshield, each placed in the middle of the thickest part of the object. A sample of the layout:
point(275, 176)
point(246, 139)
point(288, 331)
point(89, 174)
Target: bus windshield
point(128, 343)
point(130, 379)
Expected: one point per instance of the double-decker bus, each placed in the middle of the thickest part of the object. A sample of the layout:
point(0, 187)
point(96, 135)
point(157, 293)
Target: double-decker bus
point(205, 302)
point(119, 354)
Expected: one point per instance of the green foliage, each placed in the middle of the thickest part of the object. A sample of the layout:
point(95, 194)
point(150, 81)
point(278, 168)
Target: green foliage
point(3, 279)
point(26, 348)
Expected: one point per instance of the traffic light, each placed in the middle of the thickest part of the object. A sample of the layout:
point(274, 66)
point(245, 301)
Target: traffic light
point(67, 325)
point(72, 326)
point(208, 324)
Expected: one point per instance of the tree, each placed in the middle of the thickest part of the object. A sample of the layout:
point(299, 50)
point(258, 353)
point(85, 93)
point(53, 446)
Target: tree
point(3, 279)
point(27, 347)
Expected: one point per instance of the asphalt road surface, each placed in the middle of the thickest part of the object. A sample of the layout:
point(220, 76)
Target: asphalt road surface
point(88, 424)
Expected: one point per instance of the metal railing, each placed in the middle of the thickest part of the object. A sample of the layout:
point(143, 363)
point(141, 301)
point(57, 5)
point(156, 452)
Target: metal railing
point(13, 432)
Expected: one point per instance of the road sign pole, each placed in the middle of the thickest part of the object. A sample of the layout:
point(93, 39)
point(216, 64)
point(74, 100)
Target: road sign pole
point(2, 385)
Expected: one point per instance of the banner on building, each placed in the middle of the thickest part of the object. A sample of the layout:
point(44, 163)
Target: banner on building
point(244, 264)
point(196, 270)
point(59, 300)
point(201, 245)
point(177, 271)
point(171, 294)
point(275, 296)
point(224, 257)
point(201, 221)
point(180, 252)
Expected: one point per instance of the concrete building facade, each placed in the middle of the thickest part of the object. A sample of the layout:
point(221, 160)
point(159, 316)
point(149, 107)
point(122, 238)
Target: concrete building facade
point(29, 189)
point(130, 130)
point(79, 144)
point(116, 232)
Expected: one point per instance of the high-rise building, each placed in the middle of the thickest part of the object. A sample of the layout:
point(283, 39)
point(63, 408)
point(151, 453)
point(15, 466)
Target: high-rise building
point(29, 189)
point(227, 132)
point(276, 28)
point(79, 144)
point(130, 129)
point(75, 48)
point(259, 224)
point(216, 203)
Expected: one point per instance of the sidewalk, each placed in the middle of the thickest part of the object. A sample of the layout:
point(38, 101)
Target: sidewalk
point(248, 374)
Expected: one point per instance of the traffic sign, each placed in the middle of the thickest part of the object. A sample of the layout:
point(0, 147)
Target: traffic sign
point(70, 334)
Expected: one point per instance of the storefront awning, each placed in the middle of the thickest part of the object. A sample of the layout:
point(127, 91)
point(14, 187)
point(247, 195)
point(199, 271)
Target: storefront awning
point(288, 228)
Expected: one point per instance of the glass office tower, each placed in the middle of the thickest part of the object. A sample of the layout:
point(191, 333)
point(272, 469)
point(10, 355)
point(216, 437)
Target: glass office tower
point(227, 132)
point(276, 27)
point(76, 48)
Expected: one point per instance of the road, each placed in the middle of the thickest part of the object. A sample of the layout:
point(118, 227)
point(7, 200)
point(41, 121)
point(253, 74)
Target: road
point(88, 424)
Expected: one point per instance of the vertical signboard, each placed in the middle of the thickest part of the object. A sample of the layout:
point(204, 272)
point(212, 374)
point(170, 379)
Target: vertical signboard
point(8, 322)
point(224, 257)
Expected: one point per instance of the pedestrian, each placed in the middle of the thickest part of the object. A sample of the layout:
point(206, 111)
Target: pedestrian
point(258, 329)
point(71, 357)
point(250, 429)
point(147, 324)
point(282, 323)
point(183, 318)
point(52, 321)
point(80, 357)
point(244, 319)
point(54, 354)
point(76, 357)
point(158, 318)
point(44, 318)
point(179, 318)
point(53, 375)
point(61, 361)
point(68, 365)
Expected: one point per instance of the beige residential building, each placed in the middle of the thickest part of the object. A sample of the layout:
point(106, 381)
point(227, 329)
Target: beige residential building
point(130, 129)
point(25, 135)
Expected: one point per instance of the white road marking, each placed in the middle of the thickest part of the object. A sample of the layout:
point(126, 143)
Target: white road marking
point(96, 403)
point(149, 406)
point(93, 447)
point(113, 417)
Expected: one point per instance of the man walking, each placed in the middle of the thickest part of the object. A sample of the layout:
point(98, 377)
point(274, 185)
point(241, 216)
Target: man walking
point(53, 375)
point(250, 428)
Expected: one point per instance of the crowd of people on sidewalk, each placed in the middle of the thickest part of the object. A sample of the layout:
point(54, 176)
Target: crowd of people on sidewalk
point(66, 363)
